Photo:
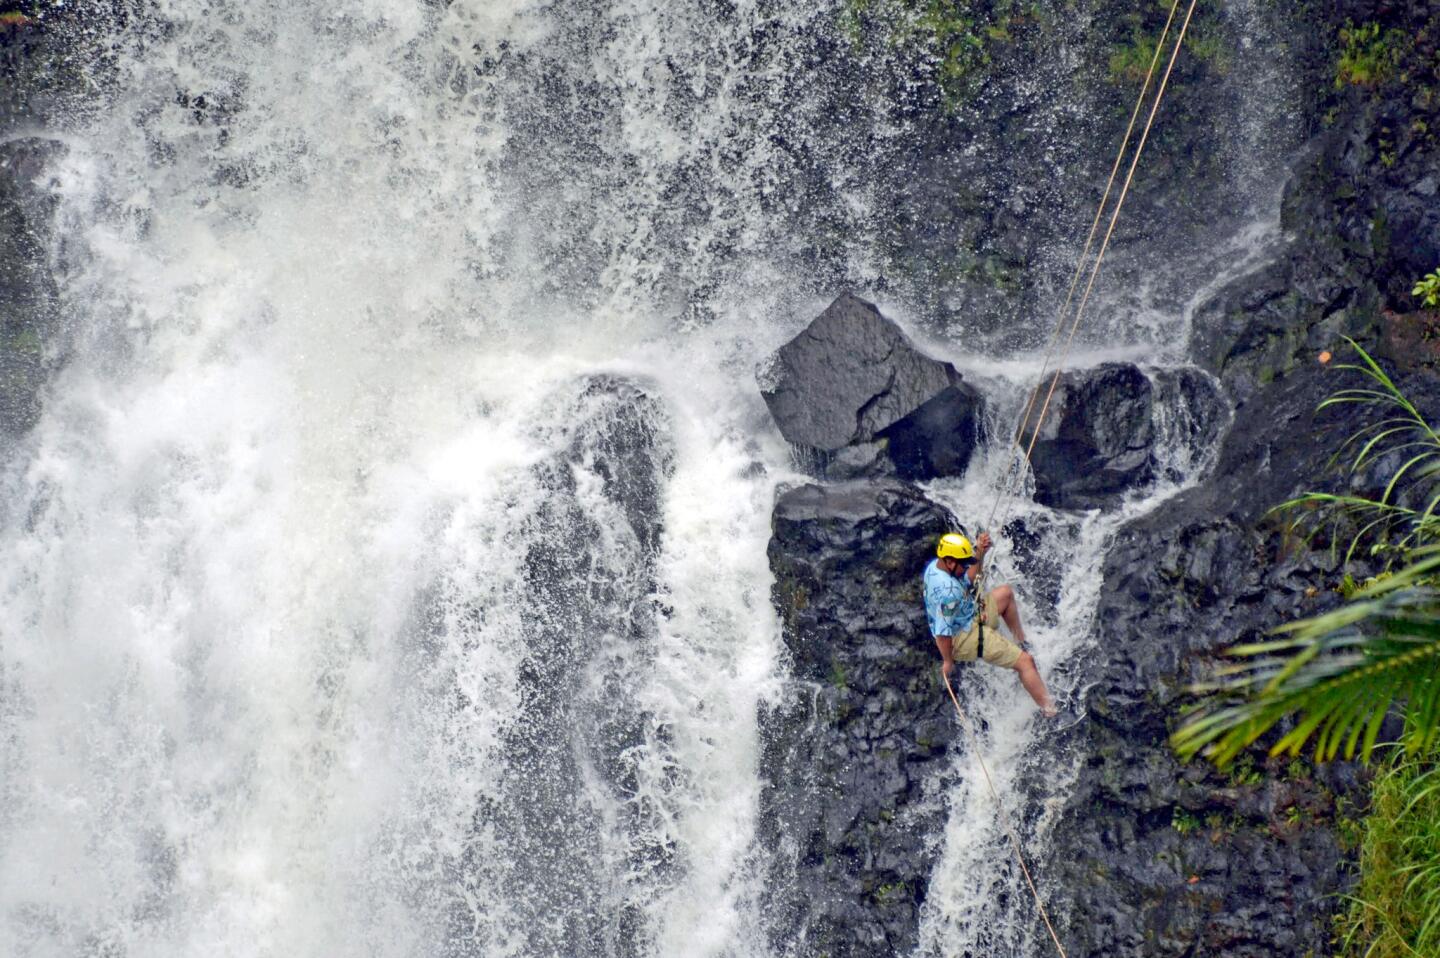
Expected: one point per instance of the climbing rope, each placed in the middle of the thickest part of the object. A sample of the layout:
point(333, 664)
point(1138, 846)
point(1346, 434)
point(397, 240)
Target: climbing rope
point(1007, 488)
point(1004, 818)
point(1064, 309)
point(1007, 483)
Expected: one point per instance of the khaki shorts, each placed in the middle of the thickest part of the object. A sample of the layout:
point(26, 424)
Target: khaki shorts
point(998, 649)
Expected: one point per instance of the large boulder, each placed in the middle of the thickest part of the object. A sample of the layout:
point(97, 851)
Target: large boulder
point(855, 398)
point(1114, 429)
point(863, 731)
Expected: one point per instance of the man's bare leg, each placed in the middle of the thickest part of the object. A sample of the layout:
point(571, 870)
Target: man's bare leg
point(1034, 684)
point(1009, 610)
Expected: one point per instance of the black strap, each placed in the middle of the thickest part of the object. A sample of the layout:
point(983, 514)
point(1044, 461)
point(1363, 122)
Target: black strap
point(980, 646)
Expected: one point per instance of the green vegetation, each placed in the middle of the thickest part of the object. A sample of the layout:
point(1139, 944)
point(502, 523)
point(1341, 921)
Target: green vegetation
point(1427, 290)
point(20, 13)
point(1341, 673)
point(1395, 905)
point(1244, 774)
point(1129, 62)
point(959, 36)
point(892, 890)
point(1183, 822)
point(1368, 56)
point(23, 341)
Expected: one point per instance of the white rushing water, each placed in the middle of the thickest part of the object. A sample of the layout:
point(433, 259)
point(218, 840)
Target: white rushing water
point(329, 624)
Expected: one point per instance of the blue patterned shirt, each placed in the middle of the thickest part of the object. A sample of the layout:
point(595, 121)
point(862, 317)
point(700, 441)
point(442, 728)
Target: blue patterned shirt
point(949, 602)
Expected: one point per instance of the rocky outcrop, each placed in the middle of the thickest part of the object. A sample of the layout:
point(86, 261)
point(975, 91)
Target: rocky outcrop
point(1361, 220)
point(46, 65)
point(1148, 856)
point(854, 397)
point(1169, 860)
point(863, 726)
point(1106, 429)
point(1097, 440)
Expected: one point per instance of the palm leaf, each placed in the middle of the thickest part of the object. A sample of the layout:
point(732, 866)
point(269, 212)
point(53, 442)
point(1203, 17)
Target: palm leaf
point(1339, 673)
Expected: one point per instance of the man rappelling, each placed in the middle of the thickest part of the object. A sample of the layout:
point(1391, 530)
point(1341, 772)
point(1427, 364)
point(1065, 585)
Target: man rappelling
point(963, 630)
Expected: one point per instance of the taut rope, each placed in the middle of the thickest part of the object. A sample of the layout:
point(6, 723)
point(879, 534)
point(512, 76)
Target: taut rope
point(1007, 489)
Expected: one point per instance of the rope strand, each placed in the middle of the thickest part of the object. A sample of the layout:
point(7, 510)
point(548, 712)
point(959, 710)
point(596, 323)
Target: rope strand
point(1004, 818)
point(1007, 487)
point(1094, 227)
point(1110, 231)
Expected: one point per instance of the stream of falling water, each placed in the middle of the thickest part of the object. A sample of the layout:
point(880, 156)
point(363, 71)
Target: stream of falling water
point(386, 575)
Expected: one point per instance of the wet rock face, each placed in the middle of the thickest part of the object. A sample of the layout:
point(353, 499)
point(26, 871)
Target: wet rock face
point(855, 398)
point(47, 68)
point(1096, 439)
point(1100, 439)
point(27, 291)
point(589, 572)
point(1361, 218)
point(1165, 860)
point(854, 753)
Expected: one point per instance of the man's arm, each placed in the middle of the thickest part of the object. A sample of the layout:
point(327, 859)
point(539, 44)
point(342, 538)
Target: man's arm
point(946, 646)
point(982, 546)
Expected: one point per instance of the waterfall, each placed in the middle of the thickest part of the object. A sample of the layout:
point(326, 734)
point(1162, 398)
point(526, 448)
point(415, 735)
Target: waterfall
point(386, 573)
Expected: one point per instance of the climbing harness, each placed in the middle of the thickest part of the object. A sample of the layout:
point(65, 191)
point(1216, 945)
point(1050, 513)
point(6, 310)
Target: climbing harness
point(1018, 467)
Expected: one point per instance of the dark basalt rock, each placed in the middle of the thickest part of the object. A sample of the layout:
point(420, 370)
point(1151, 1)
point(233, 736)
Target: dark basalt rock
point(1100, 436)
point(855, 398)
point(27, 290)
point(1163, 859)
point(49, 63)
point(1360, 217)
point(1150, 857)
point(1166, 860)
point(863, 726)
point(1097, 438)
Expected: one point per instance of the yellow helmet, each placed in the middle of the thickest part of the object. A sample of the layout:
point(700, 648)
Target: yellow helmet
point(955, 546)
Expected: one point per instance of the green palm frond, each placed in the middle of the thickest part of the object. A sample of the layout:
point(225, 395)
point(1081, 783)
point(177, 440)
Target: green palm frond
point(1339, 674)
point(1398, 429)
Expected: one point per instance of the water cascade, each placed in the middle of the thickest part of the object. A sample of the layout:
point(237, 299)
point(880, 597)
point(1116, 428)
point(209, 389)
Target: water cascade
point(386, 573)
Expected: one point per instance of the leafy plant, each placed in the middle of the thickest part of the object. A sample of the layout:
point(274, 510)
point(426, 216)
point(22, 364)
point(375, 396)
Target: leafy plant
point(1342, 672)
point(1367, 55)
point(1427, 289)
point(959, 35)
point(1395, 905)
point(1129, 62)
point(1183, 822)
